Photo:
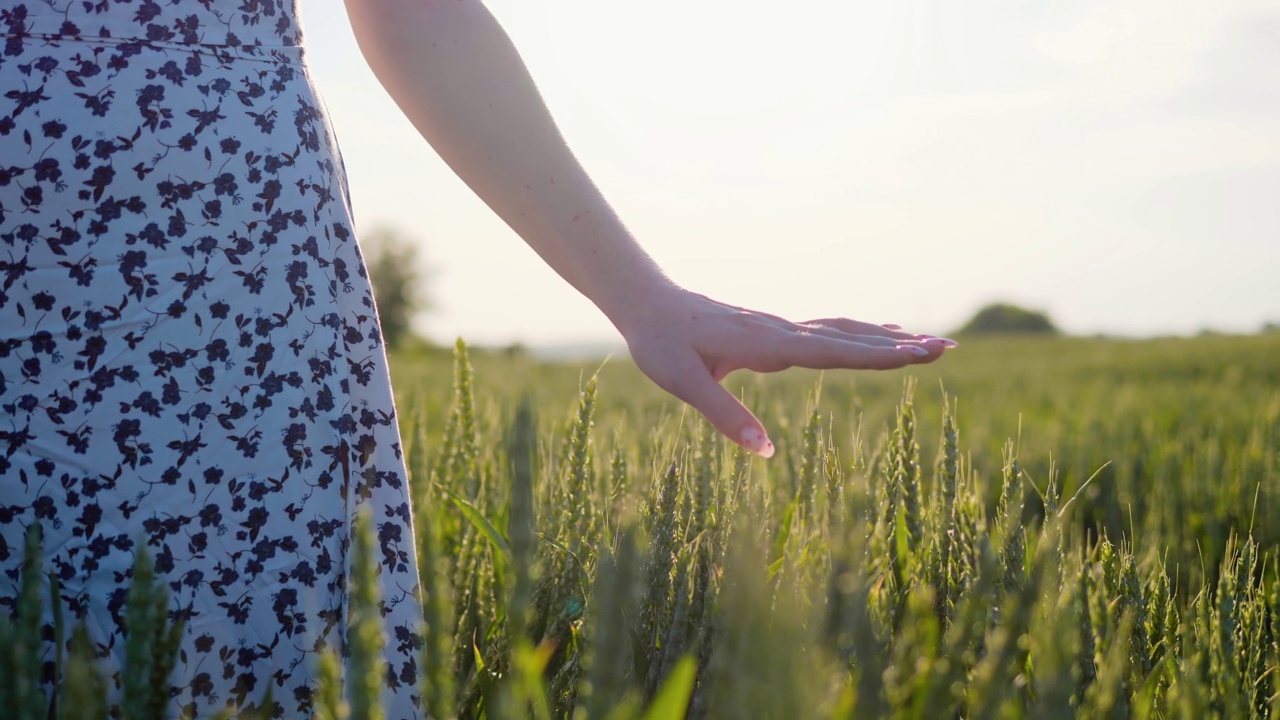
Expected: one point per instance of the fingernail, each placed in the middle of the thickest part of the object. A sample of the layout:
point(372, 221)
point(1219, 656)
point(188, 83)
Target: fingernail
point(944, 342)
point(914, 350)
point(757, 442)
point(891, 326)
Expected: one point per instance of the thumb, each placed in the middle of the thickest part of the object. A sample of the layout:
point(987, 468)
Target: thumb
point(724, 411)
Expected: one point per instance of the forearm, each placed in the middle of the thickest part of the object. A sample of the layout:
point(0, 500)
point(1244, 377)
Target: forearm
point(455, 74)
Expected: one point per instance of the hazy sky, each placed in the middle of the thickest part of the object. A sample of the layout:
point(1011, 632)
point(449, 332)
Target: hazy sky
point(1115, 163)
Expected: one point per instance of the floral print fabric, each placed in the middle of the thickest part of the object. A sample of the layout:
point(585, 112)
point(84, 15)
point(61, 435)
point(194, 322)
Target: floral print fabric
point(189, 353)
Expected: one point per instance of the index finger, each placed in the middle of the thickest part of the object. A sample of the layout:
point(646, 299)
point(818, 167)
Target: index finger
point(857, 327)
point(823, 352)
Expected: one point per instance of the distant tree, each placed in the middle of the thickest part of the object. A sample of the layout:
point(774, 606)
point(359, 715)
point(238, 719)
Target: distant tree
point(1271, 327)
point(516, 350)
point(399, 281)
point(1006, 319)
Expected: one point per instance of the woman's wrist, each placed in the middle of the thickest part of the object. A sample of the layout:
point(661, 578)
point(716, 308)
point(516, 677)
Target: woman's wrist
point(636, 302)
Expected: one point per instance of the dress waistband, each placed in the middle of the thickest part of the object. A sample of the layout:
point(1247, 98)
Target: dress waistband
point(277, 54)
point(264, 30)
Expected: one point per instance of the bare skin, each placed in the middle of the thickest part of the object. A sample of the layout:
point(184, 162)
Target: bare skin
point(455, 74)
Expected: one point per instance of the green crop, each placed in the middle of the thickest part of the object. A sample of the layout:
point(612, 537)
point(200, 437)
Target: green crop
point(1049, 528)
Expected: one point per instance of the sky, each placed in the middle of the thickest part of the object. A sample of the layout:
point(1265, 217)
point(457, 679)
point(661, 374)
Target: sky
point(1115, 163)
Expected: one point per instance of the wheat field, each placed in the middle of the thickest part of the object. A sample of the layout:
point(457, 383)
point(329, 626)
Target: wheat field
point(1048, 528)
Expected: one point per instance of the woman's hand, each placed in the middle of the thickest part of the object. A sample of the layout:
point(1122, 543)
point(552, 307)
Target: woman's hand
point(455, 74)
point(687, 343)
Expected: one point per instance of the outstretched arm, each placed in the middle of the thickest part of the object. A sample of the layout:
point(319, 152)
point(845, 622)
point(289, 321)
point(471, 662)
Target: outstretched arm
point(457, 77)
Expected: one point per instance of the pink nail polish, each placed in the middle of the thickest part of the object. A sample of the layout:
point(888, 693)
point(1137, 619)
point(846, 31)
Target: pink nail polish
point(757, 442)
point(944, 342)
point(914, 350)
point(891, 326)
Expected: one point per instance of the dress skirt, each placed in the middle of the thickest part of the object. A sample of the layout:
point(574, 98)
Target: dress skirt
point(190, 357)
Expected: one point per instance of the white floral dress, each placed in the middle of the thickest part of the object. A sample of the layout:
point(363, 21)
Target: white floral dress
point(189, 352)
